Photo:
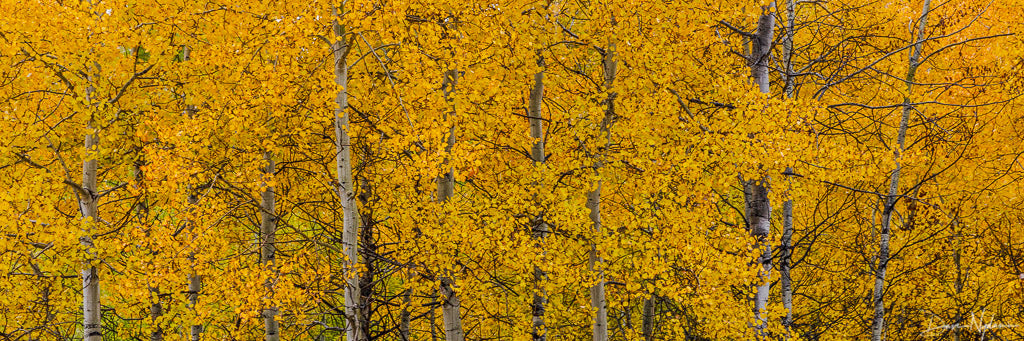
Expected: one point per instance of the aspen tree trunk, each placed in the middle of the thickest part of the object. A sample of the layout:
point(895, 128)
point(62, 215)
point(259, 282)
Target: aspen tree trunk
point(758, 209)
point(878, 323)
point(91, 318)
point(648, 319)
point(91, 313)
point(540, 228)
point(403, 327)
point(195, 282)
point(786, 255)
point(760, 51)
point(354, 326)
point(597, 296)
point(786, 251)
point(268, 234)
point(155, 309)
point(787, 48)
point(450, 303)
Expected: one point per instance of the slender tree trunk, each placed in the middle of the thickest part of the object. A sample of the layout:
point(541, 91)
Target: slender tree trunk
point(787, 48)
point(758, 212)
point(367, 247)
point(195, 284)
point(597, 297)
point(155, 309)
point(758, 209)
point(450, 303)
point(354, 327)
point(195, 281)
point(91, 321)
point(88, 201)
point(878, 323)
point(597, 294)
point(268, 234)
point(761, 50)
point(786, 251)
point(648, 319)
point(403, 328)
point(540, 228)
point(785, 257)
point(450, 306)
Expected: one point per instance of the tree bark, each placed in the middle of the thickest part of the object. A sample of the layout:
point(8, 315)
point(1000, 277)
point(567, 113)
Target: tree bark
point(786, 252)
point(878, 322)
point(352, 222)
point(648, 319)
point(450, 303)
point(787, 48)
point(268, 234)
point(597, 292)
point(91, 316)
point(760, 51)
point(540, 228)
point(758, 209)
point(403, 328)
point(195, 284)
point(786, 255)
point(194, 280)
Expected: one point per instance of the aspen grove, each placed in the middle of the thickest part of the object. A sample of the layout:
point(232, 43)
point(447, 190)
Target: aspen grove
point(511, 170)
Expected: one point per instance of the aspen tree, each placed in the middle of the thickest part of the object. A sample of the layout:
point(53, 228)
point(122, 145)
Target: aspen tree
point(90, 213)
point(195, 282)
point(450, 302)
point(877, 298)
point(598, 301)
point(88, 197)
point(345, 187)
point(540, 228)
point(785, 249)
point(268, 246)
point(758, 209)
point(785, 257)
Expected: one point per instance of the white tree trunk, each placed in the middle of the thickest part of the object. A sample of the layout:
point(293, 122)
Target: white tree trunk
point(761, 50)
point(597, 294)
point(787, 48)
point(647, 325)
point(786, 255)
point(450, 306)
point(597, 297)
point(540, 228)
point(354, 326)
point(155, 309)
point(195, 282)
point(878, 322)
point(759, 214)
point(268, 234)
point(406, 318)
point(90, 277)
point(450, 303)
point(786, 251)
point(91, 314)
point(758, 209)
